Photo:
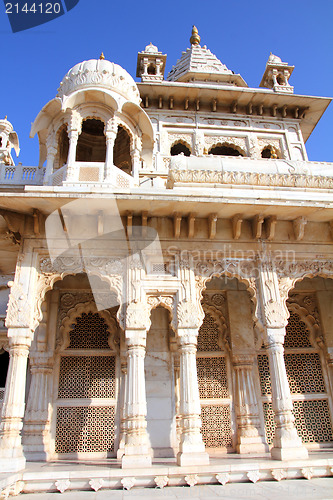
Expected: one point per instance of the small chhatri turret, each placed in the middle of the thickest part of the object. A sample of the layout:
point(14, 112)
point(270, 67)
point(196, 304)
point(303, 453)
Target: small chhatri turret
point(151, 64)
point(277, 74)
point(8, 141)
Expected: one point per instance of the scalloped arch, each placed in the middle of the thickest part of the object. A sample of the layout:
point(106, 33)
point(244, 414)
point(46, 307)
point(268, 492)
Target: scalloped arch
point(228, 144)
point(221, 323)
point(162, 301)
point(46, 283)
point(183, 142)
point(309, 321)
point(76, 312)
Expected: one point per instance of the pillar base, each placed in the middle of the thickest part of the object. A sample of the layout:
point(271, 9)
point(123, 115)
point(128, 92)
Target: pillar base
point(184, 459)
point(289, 453)
point(12, 464)
point(252, 445)
point(135, 461)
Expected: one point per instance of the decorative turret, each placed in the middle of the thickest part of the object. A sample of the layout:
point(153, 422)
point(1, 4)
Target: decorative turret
point(151, 64)
point(277, 74)
point(8, 141)
point(198, 64)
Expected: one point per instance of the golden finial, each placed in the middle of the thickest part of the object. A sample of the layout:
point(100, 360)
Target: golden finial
point(102, 56)
point(6, 117)
point(195, 38)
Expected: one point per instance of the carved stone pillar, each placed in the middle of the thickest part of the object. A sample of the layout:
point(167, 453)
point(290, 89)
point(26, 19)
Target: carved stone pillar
point(249, 438)
point(137, 451)
point(136, 164)
point(11, 451)
point(21, 325)
point(36, 433)
point(73, 137)
point(110, 140)
point(286, 443)
point(191, 446)
point(51, 153)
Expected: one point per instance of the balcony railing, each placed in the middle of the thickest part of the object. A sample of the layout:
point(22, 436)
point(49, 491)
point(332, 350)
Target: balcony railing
point(21, 175)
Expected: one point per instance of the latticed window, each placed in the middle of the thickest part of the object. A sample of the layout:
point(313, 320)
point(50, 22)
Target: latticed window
point(307, 385)
point(86, 389)
point(214, 386)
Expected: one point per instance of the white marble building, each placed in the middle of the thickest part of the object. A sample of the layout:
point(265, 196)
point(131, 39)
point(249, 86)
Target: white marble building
point(170, 265)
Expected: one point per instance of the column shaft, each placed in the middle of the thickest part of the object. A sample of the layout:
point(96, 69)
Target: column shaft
point(110, 140)
point(11, 451)
point(36, 434)
point(249, 437)
point(286, 443)
point(137, 450)
point(191, 447)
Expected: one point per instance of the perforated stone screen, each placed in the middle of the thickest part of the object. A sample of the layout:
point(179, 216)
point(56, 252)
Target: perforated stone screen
point(87, 377)
point(297, 334)
point(304, 373)
point(212, 378)
point(264, 375)
point(89, 332)
point(85, 429)
point(216, 426)
point(208, 335)
point(312, 421)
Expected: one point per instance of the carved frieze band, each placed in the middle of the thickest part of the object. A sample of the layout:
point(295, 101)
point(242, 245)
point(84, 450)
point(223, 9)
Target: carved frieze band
point(250, 178)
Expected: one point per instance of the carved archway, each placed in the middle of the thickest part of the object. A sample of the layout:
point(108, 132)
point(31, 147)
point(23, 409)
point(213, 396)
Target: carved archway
point(48, 276)
point(168, 302)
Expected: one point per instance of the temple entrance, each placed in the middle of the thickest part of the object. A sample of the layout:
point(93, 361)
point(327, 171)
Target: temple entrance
point(160, 393)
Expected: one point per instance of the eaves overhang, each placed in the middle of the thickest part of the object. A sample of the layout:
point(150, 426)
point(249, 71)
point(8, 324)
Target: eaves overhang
point(307, 110)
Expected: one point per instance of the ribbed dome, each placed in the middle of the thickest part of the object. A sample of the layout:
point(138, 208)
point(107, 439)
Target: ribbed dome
point(100, 73)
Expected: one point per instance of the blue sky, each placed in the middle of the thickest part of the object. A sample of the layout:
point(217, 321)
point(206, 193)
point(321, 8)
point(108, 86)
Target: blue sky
point(241, 33)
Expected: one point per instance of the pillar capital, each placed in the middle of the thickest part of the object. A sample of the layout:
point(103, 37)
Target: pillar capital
point(137, 316)
point(188, 316)
point(274, 310)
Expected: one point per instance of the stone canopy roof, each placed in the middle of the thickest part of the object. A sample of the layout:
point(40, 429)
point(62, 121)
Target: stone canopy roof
point(198, 64)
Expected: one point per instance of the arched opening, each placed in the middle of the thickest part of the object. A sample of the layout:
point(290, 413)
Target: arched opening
point(180, 147)
point(306, 366)
point(280, 80)
point(151, 70)
point(85, 376)
point(269, 152)
point(4, 363)
point(63, 147)
point(91, 146)
point(122, 150)
point(214, 368)
point(224, 150)
point(0, 142)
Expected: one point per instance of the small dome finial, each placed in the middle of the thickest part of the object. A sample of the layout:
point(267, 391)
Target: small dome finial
point(6, 117)
point(102, 56)
point(195, 38)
